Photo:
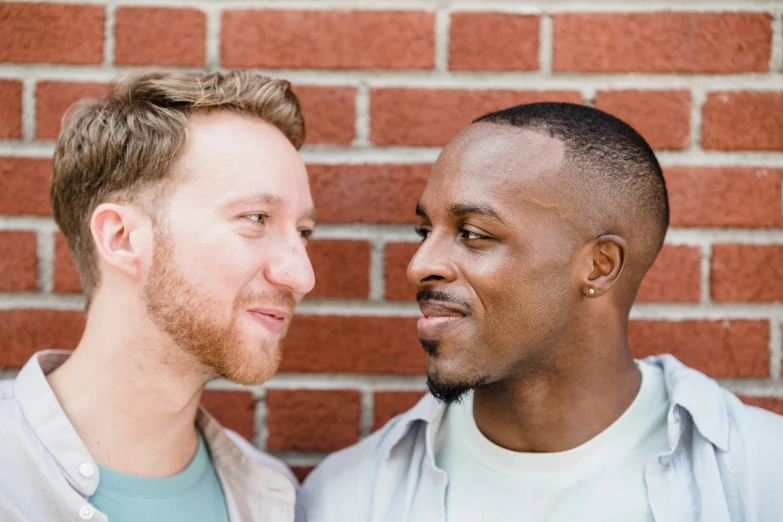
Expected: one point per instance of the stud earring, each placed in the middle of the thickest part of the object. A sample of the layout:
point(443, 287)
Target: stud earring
point(591, 291)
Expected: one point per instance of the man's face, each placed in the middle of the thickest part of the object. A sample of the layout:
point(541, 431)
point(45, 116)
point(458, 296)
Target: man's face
point(494, 271)
point(230, 263)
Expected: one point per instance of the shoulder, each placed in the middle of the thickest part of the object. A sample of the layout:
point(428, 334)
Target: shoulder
point(343, 485)
point(759, 431)
point(6, 390)
point(263, 459)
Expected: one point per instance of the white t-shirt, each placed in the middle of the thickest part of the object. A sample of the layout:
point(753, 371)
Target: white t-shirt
point(601, 480)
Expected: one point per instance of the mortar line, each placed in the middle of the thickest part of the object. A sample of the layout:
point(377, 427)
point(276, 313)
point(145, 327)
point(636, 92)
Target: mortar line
point(261, 429)
point(368, 407)
point(377, 270)
point(706, 274)
point(442, 39)
point(546, 45)
point(362, 120)
point(510, 6)
point(775, 348)
point(110, 14)
point(424, 78)
point(29, 86)
point(698, 98)
point(45, 243)
point(212, 41)
point(776, 56)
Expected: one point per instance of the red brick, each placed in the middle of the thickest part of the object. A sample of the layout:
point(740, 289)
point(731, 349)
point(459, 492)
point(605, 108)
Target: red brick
point(724, 196)
point(233, 409)
point(747, 273)
point(369, 193)
point(301, 472)
point(662, 42)
point(54, 98)
point(66, 275)
point(10, 108)
point(313, 420)
point(727, 348)
point(773, 404)
point(329, 113)
point(50, 33)
point(389, 404)
point(28, 331)
point(329, 39)
point(493, 42)
point(342, 268)
point(24, 186)
point(397, 258)
point(662, 117)
point(345, 344)
point(160, 36)
point(18, 261)
point(674, 277)
point(737, 120)
point(431, 117)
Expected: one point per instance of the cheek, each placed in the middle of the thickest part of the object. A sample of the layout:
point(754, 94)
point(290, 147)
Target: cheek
point(523, 297)
point(220, 262)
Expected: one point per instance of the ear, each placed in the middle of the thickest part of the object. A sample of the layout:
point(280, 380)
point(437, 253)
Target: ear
point(608, 255)
point(115, 230)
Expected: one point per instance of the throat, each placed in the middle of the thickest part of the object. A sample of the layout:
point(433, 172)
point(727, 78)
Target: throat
point(553, 415)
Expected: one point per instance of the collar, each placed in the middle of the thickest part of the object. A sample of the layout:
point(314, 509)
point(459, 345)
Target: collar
point(687, 388)
point(49, 422)
point(53, 428)
point(235, 464)
point(697, 394)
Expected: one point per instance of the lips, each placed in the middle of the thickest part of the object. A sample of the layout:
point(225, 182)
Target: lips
point(437, 317)
point(272, 319)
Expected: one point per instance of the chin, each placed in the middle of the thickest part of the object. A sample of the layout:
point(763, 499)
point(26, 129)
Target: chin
point(449, 379)
point(252, 362)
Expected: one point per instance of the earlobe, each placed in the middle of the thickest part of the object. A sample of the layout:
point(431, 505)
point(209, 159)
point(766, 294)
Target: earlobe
point(608, 258)
point(113, 228)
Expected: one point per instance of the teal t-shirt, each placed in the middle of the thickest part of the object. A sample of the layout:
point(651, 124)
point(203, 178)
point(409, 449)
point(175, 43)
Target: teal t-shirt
point(192, 495)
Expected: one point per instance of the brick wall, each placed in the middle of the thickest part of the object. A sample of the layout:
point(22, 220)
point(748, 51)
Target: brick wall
point(383, 89)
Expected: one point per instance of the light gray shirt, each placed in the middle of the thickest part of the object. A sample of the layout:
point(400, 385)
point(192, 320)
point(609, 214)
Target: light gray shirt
point(723, 463)
point(47, 474)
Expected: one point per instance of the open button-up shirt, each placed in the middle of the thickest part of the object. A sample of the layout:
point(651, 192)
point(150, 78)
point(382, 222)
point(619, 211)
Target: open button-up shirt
point(47, 474)
point(724, 463)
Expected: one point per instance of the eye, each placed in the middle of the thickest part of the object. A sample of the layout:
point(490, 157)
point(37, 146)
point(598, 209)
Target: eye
point(471, 236)
point(422, 232)
point(256, 218)
point(305, 233)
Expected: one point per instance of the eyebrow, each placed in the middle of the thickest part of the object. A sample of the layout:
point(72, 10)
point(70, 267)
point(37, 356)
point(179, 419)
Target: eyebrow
point(459, 210)
point(263, 198)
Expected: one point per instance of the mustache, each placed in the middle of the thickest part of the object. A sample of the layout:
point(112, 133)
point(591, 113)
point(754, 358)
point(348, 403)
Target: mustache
point(276, 300)
point(437, 295)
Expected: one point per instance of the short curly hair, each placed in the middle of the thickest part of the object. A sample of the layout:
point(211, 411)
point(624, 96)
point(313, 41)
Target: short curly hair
point(118, 147)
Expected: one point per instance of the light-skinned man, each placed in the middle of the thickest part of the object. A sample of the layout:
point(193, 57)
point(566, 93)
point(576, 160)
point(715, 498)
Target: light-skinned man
point(187, 208)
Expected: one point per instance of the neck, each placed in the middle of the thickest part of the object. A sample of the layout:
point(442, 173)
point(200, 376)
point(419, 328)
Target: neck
point(560, 405)
point(132, 398)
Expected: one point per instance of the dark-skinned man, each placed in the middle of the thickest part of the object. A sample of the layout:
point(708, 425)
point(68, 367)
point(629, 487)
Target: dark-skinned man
point(538, 224)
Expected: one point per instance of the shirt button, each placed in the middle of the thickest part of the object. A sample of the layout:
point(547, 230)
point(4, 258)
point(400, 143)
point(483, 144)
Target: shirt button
point(87, 470)
point(664, 460)
point(86, 512)
point(677, 414)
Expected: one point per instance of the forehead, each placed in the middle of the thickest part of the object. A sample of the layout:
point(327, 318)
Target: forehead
point(499, 165)
point(228, 153)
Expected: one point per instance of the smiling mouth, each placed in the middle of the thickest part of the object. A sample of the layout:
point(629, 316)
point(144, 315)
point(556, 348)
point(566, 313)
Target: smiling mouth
point(432, 326)
point(437, 317)
point(273, 320)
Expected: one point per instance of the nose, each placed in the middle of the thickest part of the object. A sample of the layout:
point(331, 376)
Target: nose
point(432, 262)
point(290, 267)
